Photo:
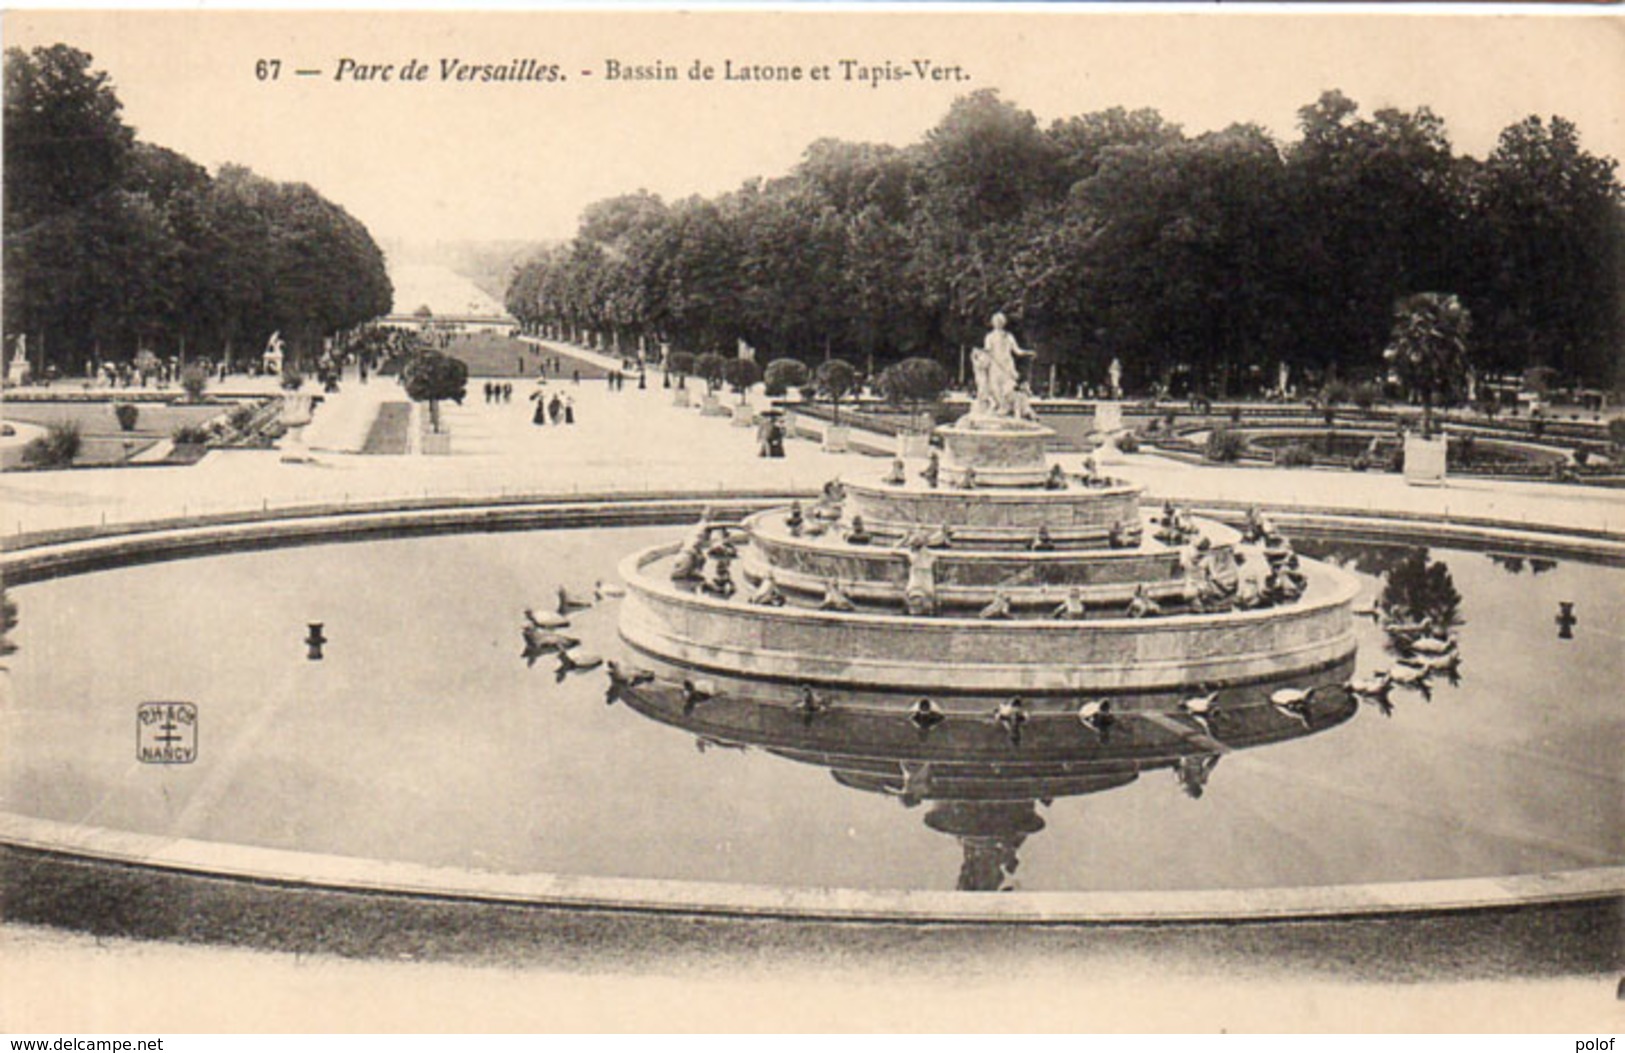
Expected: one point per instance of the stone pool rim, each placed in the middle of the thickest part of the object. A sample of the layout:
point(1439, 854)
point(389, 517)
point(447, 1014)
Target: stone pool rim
point(25, 837)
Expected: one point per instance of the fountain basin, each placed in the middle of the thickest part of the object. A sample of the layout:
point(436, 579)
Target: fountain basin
point(971, 655)
point(1076, 515)
point(971, 576)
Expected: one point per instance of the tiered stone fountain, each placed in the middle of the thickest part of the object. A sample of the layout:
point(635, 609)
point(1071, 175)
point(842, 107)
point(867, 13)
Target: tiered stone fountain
point(989, 568)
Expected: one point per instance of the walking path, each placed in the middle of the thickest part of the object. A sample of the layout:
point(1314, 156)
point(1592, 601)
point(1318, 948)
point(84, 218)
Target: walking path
point(637, 441)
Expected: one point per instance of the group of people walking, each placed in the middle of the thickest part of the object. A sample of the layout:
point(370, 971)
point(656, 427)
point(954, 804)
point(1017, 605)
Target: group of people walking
point(616, 379)
point(560, 409)
point(498, 392)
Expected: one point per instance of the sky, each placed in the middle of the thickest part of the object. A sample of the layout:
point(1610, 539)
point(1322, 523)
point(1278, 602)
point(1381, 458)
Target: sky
point(443, 159)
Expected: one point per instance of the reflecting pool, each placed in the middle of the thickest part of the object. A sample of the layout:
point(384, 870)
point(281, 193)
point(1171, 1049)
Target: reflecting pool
point(431, 730)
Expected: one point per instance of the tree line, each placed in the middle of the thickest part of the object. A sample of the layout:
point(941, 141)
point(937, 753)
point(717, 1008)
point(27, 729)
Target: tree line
point(1202, 263)
point(113, 245)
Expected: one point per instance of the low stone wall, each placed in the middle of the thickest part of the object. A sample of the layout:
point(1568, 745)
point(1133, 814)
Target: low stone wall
point(1086, 511)
point(968, 655)
point(1105, 576)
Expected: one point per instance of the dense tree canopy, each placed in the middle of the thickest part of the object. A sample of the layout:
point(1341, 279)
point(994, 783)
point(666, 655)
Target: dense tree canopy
point(114, 245)
point(1200, 262)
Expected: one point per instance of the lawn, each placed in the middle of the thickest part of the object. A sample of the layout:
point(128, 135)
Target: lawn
point(103, 441)
point(499, 355)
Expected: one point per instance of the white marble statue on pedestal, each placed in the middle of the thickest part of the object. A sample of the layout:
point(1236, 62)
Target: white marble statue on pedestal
point(997, 380)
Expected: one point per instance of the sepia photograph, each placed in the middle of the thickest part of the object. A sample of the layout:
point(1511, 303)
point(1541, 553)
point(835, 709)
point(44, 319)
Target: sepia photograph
point(927, 519)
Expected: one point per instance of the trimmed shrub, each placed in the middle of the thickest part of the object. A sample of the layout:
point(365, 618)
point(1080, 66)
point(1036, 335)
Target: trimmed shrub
point(241, 417)
point(681, 363)
point(709, 368)
point(1616, 431)
point(194, 381)
point(127, 414)
point(190, 435)
point(1224, 446)
point(1335, 391)
point(57, 448)
point(1295, 456)
point(913, 382)
point(783, 374)
point(741, 373)
point(1365, 395)
point(835, 380)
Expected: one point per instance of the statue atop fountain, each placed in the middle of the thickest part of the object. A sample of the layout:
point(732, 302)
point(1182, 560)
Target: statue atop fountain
point(998, 380)
point(1000, 442)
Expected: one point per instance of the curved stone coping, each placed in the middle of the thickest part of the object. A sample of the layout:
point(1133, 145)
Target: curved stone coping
point(891, 589)
point(1012, 514)
point(1488, 440)
point(1532, 539)
point(960, 654)
point(915, 488)
point(318, 872)
point(768, 526)
point(967, 575)
point(204, 536)
point(1342, 588)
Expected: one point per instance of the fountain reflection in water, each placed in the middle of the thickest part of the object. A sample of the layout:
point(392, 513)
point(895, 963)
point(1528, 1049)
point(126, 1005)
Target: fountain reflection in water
point(975, 780)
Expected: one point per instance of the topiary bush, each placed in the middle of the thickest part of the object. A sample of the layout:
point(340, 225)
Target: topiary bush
point(682, 364)
point(1365, 396)
point(190, 435)
point(914, 382)
point(431, 376)
point(127, 414)
point(709, 368)
point(57, 448)
point(1224, 446)
point(835, 380)
point(194, 381)
point(783, 374)
point(1296, 455)
point(741, 373)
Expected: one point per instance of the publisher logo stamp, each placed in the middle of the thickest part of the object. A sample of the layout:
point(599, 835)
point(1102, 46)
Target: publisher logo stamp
point(166, 733)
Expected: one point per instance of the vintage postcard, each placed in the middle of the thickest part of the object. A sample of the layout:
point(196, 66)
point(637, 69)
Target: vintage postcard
point(934, 519)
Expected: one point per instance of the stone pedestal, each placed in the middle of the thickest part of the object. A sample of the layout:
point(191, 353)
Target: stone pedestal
point(1001, 451)
point(1108, 417)
point(913, 444)
point(744, 416)
point(297, 411)
point(1425, 460)
point(837, 438)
